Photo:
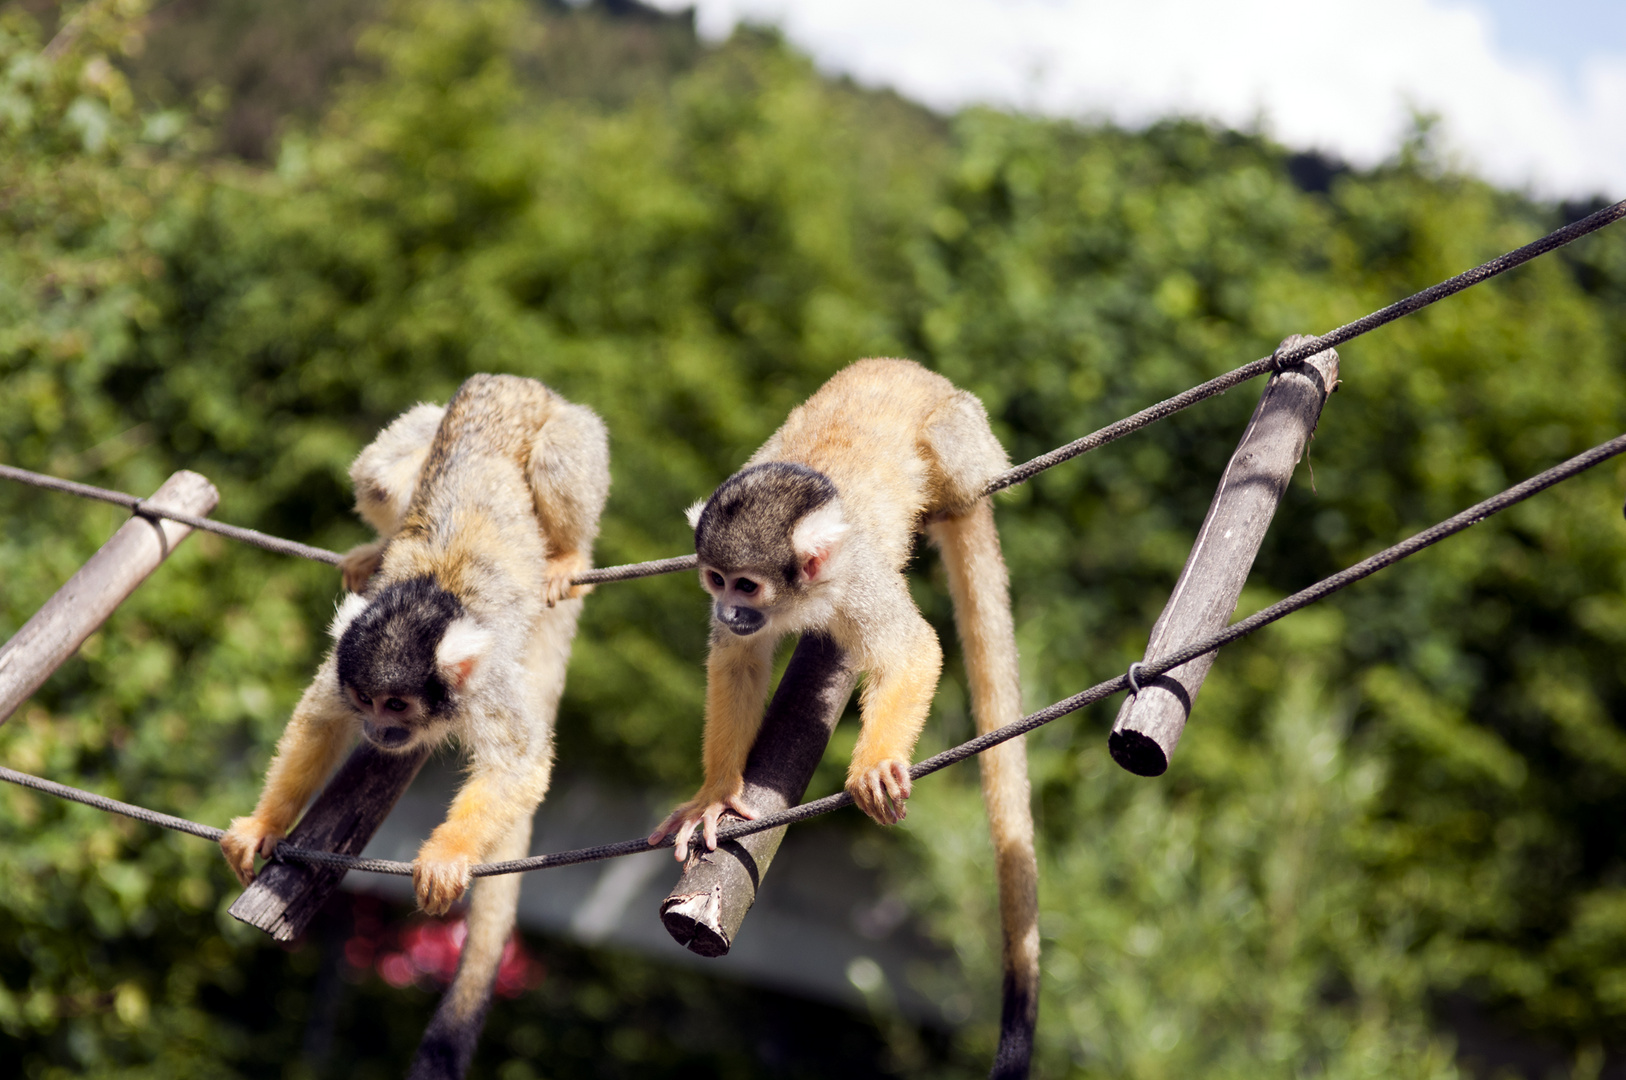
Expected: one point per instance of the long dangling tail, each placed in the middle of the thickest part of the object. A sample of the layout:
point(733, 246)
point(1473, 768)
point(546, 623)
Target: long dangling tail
point(449, 1040)
point(982, 614)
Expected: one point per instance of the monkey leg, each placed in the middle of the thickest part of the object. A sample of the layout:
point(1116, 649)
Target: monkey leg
point(386, 472)
point(569, 477)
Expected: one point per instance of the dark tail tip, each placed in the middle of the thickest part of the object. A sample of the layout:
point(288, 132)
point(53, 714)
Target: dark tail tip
point(1018, 1016)
point(448, 1044)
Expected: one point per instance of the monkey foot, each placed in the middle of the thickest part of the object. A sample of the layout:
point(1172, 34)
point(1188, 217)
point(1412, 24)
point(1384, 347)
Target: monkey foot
point(698, 812)
point(360, 564)
point(881, 789)
point(560, 572)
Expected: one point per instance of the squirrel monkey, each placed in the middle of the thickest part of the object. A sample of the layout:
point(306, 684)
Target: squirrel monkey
point(485, 511)
point(813, 534)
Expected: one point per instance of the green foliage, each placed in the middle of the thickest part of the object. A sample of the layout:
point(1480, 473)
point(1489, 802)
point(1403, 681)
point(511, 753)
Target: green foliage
point(1405, 793)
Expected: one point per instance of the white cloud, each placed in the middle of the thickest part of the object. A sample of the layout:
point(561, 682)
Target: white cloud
point(1340, 76)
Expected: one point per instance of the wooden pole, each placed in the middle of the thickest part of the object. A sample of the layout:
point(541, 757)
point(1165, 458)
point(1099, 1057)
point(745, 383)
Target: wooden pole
point(286, 896)
point(1150, 722)
point(704, 910)
point(77, 609)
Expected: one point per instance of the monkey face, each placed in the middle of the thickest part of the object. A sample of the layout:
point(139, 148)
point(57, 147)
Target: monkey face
point(390, 721)
point(739, 600)
point(765, 538)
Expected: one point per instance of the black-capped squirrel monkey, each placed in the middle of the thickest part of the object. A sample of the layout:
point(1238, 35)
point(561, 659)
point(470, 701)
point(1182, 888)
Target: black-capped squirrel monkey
point(813, 534)
point(485, 510)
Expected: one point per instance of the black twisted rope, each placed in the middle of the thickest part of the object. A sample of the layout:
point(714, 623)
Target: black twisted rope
point(1146, 670)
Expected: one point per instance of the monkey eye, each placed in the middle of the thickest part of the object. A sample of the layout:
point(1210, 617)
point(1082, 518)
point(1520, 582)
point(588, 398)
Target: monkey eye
point(363, 698)
point(716, 579)
point(395, 704)
point(745, 585)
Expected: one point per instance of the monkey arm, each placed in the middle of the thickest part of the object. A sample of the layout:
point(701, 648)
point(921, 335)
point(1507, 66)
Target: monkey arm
point(569, 475)
point(307, 753)
point(737, 672)
point(503, 790)
point(897, 696)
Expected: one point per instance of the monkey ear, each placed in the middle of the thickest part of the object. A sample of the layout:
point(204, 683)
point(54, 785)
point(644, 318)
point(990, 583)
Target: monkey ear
point(462, 647)
point(353, 605)
point(693, 513)
point(816, 538)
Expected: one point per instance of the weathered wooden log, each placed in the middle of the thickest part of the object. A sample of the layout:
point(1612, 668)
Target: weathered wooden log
point(1150, 722)
point(704, 910)
point(85, 601)
point(286, 896)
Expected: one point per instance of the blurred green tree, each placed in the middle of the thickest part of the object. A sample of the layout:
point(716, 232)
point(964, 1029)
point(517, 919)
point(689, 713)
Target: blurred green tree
point(1403, 795)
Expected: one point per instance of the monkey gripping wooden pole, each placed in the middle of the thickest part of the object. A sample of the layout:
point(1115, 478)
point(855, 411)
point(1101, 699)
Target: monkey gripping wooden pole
point(85, 601)
point(704, 910)
point(1151, 720)
point(286, 896)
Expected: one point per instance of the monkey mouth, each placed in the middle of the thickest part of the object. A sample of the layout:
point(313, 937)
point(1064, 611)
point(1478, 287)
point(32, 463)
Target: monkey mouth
point(743, 621)
point(389, 738)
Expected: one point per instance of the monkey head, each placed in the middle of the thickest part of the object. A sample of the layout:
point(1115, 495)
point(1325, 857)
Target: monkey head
point(403, 655)
point(766, 540)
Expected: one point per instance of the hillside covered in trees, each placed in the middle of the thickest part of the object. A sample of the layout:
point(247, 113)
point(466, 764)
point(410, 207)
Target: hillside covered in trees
point(241, 247)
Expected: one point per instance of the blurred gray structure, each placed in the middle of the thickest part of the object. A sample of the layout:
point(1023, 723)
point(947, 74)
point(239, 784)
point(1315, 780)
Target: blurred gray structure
point(823, 926)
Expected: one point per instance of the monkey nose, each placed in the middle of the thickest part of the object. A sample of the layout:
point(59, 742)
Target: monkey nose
point(742, 620)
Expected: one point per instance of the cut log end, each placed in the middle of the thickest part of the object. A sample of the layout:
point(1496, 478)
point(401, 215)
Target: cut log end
point(1138, 753)
point(692, 921)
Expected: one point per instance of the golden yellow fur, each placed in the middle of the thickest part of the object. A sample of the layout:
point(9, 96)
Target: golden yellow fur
point(906, 452)
point(494, 501)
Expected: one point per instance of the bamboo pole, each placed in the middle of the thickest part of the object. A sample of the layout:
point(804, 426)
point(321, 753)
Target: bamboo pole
point(1150, 722)
point(286, 896)
point(85, 601)
point(705, 908)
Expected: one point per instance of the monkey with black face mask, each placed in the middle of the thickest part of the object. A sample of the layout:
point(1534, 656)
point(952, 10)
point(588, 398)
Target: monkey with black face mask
point(485, 510)
point(813, 534)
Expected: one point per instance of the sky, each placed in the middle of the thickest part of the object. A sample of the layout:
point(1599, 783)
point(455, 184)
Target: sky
point(1530, 95)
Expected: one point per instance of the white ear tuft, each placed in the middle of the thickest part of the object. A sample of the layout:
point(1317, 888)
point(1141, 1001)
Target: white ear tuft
point(819, 533)
point(462, 647)
point(693, 513)
point(816, 538)
point(353, 605)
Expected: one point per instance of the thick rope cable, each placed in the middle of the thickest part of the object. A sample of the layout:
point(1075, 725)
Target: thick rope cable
point(112, 806)
point(1145, 671)
point(1283, 358)
point(137, 505)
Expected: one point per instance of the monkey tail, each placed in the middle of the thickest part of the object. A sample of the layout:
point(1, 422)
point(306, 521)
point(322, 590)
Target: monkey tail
point(982, 614)
point(449, 1040)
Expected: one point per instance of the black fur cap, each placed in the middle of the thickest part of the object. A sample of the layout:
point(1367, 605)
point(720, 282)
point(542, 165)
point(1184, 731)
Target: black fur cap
point(390, 647)
point(747, 521)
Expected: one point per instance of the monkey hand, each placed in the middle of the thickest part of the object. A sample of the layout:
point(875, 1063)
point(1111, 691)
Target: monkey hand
point(880, 789)
point(360, 564)
point(560, 571)
point(702, 810)
point(440, 874)
point(247, 837)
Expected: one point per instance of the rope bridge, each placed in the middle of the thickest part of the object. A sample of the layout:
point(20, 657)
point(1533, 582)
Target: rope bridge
point(1142, 672)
